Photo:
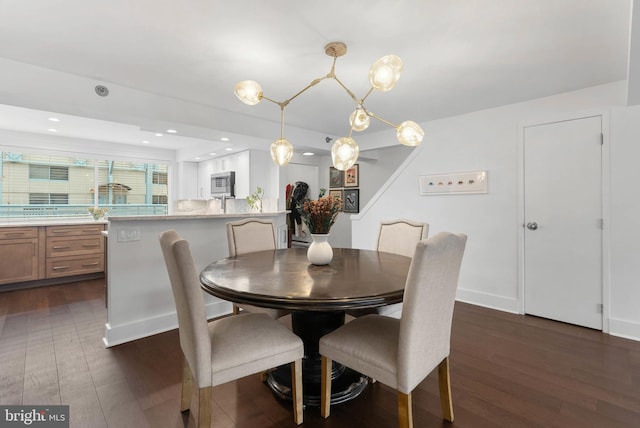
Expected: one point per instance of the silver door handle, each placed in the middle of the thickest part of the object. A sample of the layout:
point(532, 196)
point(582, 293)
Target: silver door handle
point(532, 225)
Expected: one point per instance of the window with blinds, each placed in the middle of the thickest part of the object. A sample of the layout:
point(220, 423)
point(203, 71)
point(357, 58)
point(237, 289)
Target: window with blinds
point(34, 185)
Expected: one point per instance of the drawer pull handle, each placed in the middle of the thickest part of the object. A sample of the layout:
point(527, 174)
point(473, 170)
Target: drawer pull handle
point(90, 264)
point(91, 230)
point(61, 267)
point(60, 247)
point(15, 234)
point(61, 231)
point(90, 245)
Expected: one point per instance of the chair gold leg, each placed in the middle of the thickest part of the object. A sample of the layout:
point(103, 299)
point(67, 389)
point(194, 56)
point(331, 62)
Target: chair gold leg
point(236, 310)
point(185, 401)
point(405, 412)
point(296, 386)
point(325, 387)
point(446, 401)
point(204, 407)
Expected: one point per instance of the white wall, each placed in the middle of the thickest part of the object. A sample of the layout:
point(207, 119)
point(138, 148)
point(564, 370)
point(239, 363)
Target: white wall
point(488, 140)
point(624, 215)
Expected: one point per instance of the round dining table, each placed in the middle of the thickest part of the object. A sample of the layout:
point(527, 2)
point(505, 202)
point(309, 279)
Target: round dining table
point(317, 297)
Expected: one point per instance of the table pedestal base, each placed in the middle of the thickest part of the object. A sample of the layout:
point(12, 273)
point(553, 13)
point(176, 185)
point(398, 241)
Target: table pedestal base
point(344, 388)
point(346, 384)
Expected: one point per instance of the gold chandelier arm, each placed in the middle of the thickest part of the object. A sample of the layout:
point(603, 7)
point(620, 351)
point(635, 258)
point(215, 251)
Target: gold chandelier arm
point(282, 122)
point(381, 119)
point(351, 94)
point(368, 93)
point(273, 101)
point(313, 83)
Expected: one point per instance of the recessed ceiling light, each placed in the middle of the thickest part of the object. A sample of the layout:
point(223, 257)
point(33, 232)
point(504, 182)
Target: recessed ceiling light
point(158, 134)
point(228, 149)
point(54, 119)
point(145, 142)
point(52, 130)
point(198, 158)
point(224, 139)
point(212, 154)
point(308, 153)
point(171, 131)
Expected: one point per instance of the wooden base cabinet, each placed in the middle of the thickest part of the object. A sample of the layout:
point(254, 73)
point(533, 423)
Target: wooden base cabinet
point(44, 252)
point(19, 254)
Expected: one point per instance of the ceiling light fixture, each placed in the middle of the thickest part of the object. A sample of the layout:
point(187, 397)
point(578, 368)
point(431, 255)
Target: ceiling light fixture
point(383, 76)
point(172, 131)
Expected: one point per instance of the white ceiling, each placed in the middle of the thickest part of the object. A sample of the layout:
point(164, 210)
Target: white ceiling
point(459, 56)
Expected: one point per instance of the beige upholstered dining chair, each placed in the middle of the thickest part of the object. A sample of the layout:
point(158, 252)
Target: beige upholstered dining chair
point(248, 236)
point(402, 352)
point(397, 237)
point(227, 348)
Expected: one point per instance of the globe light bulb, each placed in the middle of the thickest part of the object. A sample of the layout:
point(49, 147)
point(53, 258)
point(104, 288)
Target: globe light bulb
point(249, 92)
point(359, 120)
point(409, 133)
point(385, 72)
point(344, 153)
point(281, 152)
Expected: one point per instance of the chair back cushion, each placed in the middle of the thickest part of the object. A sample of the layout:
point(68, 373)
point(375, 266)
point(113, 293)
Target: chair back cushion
point(429, 298)
point(192, 320)
point(401, 236)
point(250, 235)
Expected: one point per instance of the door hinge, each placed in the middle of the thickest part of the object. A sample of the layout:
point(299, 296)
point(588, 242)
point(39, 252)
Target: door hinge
point(601, 139)
point(600, 308)
point(601, 223)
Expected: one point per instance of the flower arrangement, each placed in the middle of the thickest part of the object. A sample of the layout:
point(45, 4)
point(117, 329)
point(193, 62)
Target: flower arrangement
point(320, 214)
point(97, 212)
point(255, 199)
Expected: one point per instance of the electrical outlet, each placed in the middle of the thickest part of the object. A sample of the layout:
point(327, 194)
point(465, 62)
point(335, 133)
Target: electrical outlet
point(128, 235)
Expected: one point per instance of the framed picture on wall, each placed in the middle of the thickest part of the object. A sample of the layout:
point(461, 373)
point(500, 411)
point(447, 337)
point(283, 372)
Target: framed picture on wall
point(335, 177)
point(351, 200)
point(352, 176)
point(338, 194)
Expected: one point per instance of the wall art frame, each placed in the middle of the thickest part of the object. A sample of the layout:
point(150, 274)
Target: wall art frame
point(453, 183)
point(338, 194)
point(336, 178)
point(352, 200)
point(352, 176)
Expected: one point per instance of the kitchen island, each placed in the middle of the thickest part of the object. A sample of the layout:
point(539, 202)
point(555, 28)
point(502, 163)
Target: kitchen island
point(139, 298)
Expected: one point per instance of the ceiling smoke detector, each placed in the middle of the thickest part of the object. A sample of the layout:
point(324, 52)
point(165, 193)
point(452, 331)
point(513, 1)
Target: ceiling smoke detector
point(102, 91)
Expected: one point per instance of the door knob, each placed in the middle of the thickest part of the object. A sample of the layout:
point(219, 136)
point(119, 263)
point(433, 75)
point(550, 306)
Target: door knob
point(532, 225)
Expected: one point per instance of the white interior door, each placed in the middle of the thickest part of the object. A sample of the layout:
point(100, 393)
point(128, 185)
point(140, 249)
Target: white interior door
point(563, 221)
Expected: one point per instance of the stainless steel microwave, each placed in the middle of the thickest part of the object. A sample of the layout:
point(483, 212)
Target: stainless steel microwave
point(223, 184)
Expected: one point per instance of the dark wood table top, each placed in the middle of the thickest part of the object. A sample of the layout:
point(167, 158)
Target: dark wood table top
point(284, 279)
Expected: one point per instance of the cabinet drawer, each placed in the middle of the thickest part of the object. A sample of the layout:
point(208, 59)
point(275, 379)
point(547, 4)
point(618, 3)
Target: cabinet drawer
point(66, 266)
point(74, 246)
point(85, 230)
point(18, 232)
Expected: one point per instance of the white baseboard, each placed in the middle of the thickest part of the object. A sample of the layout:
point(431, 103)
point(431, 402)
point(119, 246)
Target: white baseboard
point(624, 328)
point(116, 335)
point(492, 301)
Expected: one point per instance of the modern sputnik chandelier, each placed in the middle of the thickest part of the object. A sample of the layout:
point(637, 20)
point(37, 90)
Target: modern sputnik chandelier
point(383, 76)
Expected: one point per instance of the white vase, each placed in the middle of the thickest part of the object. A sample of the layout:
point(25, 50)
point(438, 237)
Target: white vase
point(320, 251)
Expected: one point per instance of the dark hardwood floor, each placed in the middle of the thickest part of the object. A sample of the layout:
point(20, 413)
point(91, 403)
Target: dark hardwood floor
point(507, 371)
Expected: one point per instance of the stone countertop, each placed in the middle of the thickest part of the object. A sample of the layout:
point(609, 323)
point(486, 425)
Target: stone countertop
point(68, 221)
point(187, 216)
